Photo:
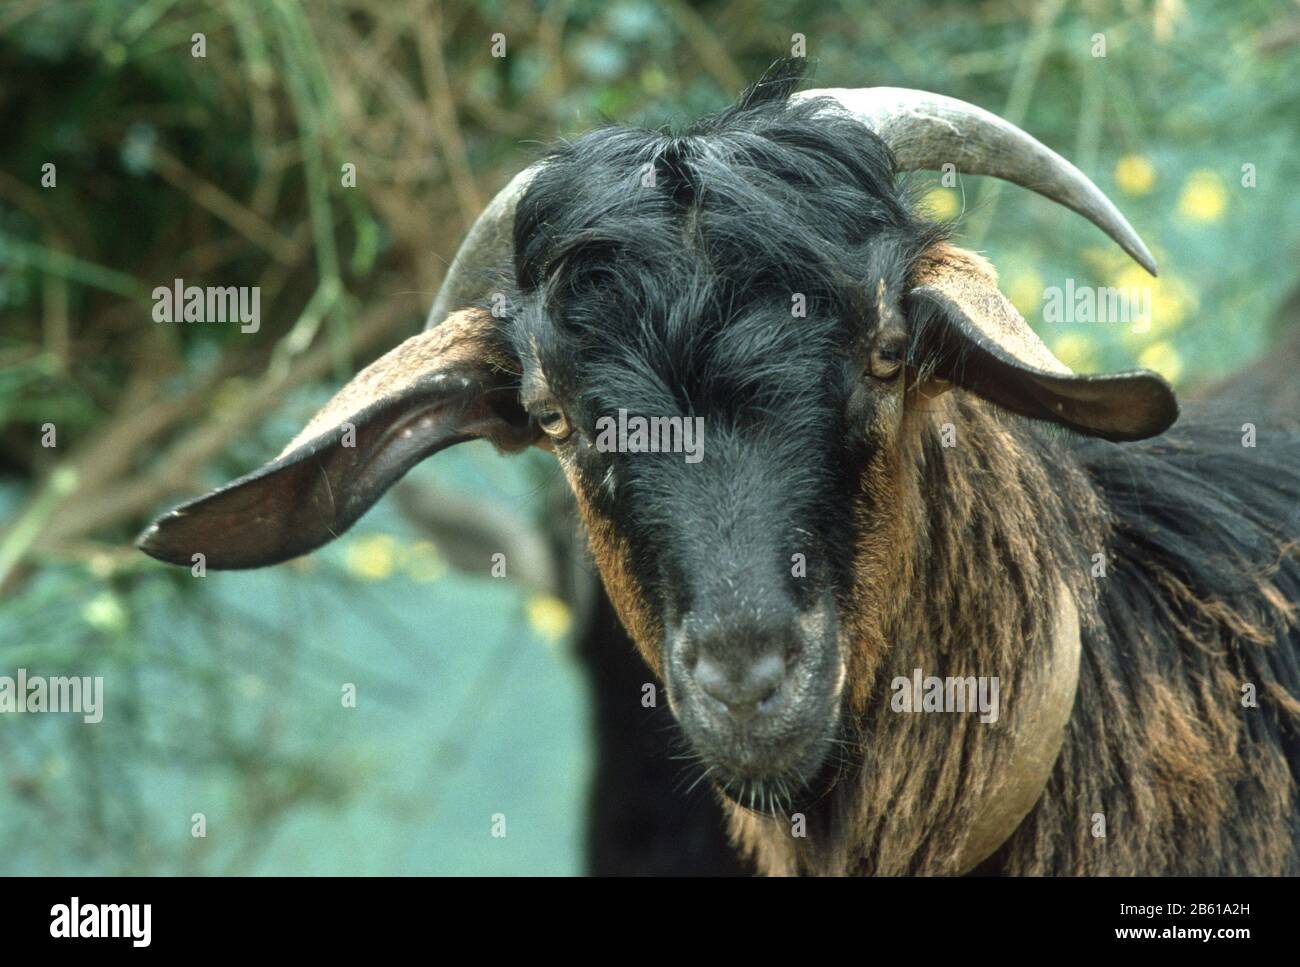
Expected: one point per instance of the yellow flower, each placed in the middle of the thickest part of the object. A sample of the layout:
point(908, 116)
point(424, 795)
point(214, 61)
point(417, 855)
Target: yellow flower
point(1025, 290)
point(1164, 359)
point(372, 558)
point(653, 81)
point(423, 563)
point(1102, 259)
point(1204, 198)
point(549, 617)
point(1135, 175)
point(1077, 351)
point(105, 612)
point(941, 204)
point(1171, 301)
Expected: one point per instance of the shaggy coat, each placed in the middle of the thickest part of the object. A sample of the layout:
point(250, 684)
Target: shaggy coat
point(1181, 754)
point(949, 495)
point(1193, 608)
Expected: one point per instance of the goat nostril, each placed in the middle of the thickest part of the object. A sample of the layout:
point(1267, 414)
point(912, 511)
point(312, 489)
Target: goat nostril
point(711, 679)
point(765, 676)
point(742, 690)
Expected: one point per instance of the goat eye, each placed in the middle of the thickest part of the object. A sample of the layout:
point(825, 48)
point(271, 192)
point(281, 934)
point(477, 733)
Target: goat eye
point(886, 361)
point(553, 422)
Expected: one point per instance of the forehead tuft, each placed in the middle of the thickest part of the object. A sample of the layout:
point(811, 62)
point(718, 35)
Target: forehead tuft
point(738, 254)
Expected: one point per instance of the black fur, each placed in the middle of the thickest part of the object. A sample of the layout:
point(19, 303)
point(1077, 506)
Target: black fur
point(676, 299)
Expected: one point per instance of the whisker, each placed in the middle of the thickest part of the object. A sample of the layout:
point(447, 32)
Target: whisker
point(703, 775)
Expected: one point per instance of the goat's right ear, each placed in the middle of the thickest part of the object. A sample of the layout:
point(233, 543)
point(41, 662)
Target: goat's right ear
point(966, 332)
point(452, 383)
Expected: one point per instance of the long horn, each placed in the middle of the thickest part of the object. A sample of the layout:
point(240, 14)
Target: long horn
point(926, 131)
point(486, 244)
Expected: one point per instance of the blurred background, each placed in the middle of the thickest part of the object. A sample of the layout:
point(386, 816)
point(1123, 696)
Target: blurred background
point(223, 162)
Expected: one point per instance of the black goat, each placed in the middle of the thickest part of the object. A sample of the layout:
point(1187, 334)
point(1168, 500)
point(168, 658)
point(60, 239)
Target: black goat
point(901, 485)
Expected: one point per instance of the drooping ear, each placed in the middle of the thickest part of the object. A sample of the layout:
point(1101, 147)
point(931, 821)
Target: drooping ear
point(449, 384)
point(965, 331)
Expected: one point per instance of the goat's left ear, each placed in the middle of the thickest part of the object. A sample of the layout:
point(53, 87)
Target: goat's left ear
point(966, 332)
point(451, 383)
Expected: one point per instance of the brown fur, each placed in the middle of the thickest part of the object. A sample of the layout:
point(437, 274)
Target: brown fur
point(955, 582)
point(611, 553)
point(970, 281)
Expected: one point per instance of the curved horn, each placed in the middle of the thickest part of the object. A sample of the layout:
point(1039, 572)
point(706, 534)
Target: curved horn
point(926, 131)
point(486, 243)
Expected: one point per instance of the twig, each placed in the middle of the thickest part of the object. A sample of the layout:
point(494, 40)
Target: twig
point(246, 222)
point(428, 31)
point(709, 50)
point(1017, 105)
point(63, 483)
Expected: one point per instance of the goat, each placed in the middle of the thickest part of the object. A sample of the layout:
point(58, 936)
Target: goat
point(898, 475)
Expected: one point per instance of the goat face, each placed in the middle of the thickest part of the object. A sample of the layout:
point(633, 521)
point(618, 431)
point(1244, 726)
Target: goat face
point(755, 302)
point(730, 563)
point(763, 278)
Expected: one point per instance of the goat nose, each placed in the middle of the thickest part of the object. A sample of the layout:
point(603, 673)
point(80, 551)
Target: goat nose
point(742, 686)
